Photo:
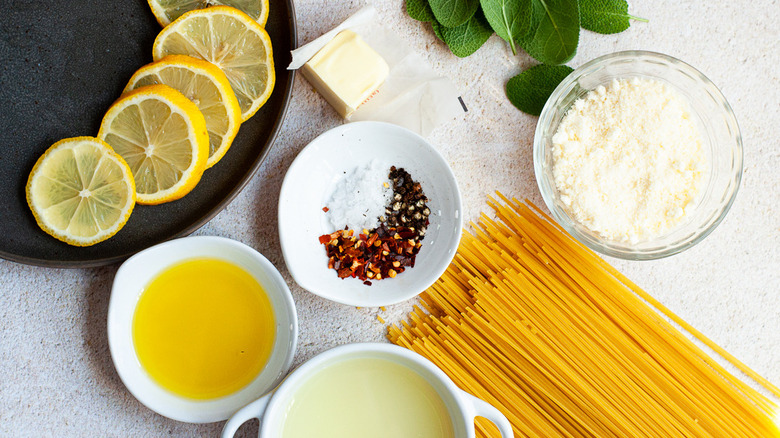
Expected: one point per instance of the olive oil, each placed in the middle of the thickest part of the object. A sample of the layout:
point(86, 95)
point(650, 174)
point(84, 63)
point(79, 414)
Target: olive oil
point(203, 328)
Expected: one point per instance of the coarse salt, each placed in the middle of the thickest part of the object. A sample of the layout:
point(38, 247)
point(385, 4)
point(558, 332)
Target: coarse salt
point(628, 160)
point(360, 198)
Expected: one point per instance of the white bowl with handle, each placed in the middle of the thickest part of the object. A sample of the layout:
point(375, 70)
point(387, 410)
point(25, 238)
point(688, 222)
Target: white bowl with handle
point(461, 407)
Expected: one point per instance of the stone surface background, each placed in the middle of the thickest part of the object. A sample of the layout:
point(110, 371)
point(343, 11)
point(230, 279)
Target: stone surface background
point(56, 374)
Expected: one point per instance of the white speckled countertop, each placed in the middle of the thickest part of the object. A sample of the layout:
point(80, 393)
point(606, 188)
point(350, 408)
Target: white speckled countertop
point(56, 375)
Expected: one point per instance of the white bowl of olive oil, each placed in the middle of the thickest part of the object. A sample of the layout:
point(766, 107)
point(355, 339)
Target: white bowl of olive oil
point(200, 326)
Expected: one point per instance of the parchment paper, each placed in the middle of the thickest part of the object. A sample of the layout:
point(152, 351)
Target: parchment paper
point(413, 95)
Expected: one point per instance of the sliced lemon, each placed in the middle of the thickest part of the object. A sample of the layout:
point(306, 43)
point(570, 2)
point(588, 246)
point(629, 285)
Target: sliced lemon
point(168, 10)
point(162, 136)
point(80, 191)
point(231, 40)
point(207, 87)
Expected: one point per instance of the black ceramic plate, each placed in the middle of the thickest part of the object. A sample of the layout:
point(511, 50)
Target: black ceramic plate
point(62, 64)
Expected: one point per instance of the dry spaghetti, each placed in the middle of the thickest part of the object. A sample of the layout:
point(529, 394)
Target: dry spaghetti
point(536, 324)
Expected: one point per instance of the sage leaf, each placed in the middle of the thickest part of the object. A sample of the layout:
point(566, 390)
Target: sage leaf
point(451, 13)
point(437, 28)
point(605, 16)
point(555, 39)
point(530, 90)
point(465, 39)
point(511, 19)
point(419, 10)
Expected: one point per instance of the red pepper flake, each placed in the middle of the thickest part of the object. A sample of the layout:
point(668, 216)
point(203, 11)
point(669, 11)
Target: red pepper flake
point(325, 209)
point(382, 255)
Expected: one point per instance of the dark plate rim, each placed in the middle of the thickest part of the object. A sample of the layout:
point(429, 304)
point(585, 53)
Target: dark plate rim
point(74, 264)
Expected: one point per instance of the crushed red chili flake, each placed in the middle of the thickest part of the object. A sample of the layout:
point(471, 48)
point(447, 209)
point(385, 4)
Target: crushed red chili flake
point(325, 209)
point(375, 256)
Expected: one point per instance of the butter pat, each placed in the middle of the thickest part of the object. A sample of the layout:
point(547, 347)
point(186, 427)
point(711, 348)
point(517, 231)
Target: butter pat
point(347, 72)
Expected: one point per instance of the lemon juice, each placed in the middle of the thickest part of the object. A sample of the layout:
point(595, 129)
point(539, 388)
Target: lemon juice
point(366, 397)
point(203, 328)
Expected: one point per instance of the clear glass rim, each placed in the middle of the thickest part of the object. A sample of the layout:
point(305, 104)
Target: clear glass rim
point(615, 249)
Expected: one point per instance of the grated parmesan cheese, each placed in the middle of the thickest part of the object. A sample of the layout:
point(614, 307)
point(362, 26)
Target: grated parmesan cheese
point(628, 160)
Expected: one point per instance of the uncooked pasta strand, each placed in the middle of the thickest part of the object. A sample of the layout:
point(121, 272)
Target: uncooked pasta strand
point(536, 324)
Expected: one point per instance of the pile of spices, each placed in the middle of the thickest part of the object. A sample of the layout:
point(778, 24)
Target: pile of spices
point(390, 248)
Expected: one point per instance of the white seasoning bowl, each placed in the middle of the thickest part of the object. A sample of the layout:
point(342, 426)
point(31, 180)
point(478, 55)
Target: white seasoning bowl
point(310, 182)
point(722, 144)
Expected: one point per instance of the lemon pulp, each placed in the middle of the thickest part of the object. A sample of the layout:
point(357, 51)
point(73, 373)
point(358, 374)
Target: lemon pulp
point(162, 136)
point(169, 10)
point(203, 328)
point(80, 191)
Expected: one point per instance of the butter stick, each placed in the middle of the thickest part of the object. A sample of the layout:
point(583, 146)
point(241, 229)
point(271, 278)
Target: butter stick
point(347, 72)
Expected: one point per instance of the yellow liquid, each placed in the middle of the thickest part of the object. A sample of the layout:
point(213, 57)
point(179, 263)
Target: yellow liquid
point(366, 397)
point(203, 328)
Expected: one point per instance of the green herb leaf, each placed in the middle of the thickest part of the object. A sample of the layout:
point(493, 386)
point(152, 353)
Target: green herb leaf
point(605, 16)
point(465, 39)
point(555, 39)
point(420, 10)
point(437, 29)
point(530, 90)
point(511, 19)
point(451, 13)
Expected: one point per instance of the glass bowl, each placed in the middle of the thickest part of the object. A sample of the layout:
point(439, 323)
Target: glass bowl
point(720, 133)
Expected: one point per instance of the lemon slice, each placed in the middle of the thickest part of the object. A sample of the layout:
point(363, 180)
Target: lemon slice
point(162, 136)
point(80, 191)
point(168, 10)
point(232, 41)
point(207, 87)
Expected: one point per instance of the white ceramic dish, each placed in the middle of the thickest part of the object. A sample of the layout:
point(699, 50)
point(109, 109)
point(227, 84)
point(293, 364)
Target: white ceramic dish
point(129, 283)
point(461, 406)
point(309, 184)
